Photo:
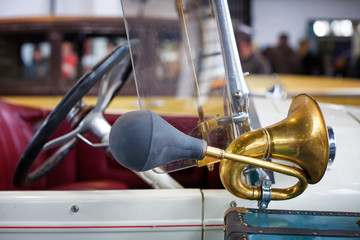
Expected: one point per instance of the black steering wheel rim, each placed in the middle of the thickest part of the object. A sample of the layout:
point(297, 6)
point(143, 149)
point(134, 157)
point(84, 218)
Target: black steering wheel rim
point(85, 83)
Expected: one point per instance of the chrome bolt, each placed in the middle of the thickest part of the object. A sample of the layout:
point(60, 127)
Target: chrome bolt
point(267, 183)
point(75, 208)
point(233, 204)
point(238, 94)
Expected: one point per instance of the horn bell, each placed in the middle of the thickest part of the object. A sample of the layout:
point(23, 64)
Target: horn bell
point(301, 138)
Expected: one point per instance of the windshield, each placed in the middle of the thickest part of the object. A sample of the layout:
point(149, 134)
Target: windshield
point(181, 69)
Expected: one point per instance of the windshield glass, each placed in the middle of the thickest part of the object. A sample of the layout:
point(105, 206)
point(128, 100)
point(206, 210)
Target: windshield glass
point(181, 69)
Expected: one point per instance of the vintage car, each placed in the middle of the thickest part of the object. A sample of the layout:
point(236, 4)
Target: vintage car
point(191, 155)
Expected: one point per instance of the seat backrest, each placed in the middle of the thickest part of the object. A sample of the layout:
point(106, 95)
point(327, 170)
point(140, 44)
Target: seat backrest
point(16, 131)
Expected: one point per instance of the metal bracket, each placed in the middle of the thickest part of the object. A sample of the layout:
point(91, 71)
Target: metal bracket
point(220, 121)
point(265, 194)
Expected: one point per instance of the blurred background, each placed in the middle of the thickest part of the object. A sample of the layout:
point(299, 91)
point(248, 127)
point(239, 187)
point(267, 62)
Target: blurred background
point(322, 37)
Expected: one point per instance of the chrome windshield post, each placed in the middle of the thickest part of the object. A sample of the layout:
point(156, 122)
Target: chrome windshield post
point(237, 89)
point(236, 86)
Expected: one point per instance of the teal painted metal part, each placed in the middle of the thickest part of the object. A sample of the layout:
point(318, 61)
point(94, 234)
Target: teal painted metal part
point(255, 224)
point(288, 237)
point(278, 220)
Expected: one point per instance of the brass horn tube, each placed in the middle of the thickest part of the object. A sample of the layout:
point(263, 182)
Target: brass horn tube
point(254, 193)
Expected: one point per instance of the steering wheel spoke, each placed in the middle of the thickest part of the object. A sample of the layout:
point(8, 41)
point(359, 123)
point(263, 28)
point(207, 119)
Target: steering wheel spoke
point(110, 85)
point(62, 139)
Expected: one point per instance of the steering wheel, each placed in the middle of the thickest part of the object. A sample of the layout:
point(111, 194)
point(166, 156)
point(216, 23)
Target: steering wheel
point(84, 119)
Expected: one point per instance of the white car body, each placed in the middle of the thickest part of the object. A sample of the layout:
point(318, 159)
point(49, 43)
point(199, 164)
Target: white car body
point(180, 213)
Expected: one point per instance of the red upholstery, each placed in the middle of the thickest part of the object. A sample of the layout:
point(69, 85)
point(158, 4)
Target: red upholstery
point(93, 163)
point(16, 130)
point(84, 167)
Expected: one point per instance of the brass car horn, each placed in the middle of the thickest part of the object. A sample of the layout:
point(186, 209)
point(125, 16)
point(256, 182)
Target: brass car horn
point(142, 140)
point(301, 138)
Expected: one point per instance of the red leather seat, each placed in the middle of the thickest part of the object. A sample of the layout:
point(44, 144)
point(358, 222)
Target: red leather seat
point(16, 131)
point(17, 125)
point(85, 167)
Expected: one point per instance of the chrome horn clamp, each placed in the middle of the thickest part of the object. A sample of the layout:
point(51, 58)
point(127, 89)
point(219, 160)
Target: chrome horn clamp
point(265, 194)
